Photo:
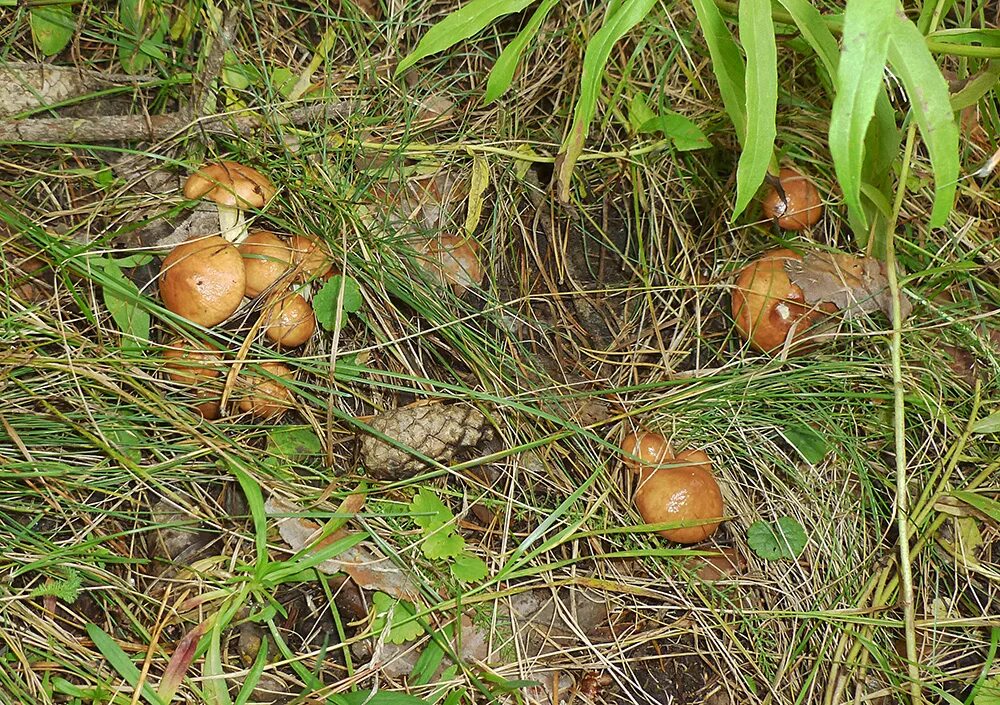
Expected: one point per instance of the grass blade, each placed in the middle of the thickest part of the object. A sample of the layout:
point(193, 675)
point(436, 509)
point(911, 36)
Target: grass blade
point(502, 72)
point(859, 79)
point(727, 63)
point(120, 661)
point(930, 103)
point(757, 36)
point(599, 49)
point(461, 24)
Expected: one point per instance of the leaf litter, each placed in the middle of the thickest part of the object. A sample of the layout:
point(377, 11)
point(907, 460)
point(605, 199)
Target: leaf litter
point(856, 285)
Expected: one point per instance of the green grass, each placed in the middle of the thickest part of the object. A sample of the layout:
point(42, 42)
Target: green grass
point(92, 437)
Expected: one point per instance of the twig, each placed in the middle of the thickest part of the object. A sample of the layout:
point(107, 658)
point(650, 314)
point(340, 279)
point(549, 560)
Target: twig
point(129, 128)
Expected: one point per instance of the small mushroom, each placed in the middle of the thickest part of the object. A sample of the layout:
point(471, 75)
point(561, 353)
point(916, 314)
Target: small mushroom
point(288, 320)
point(203, 280)
point(266, 259)
point(685, 492)
point(768, 308)
point(799, 208)
point(643, 449)
point(234, 188)
point(310, 256)
point(193, 365)
point(264, 396)
point(453, 260)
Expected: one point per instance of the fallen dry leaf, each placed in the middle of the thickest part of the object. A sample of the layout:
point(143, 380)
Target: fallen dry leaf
point(368, 569)
point(856, 285)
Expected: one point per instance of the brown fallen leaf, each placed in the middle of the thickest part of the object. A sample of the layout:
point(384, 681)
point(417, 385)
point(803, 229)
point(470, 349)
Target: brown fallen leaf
point(856, 285)
point(368, 569)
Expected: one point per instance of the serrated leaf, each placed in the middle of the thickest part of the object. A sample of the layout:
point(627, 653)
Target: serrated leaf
point(616, 25)
point(727, 63)
point(809, 442)
point(930, 103)
point(859, 80)
point(467, 568)
point(458, 26)
point(52, 27)
point(761, 90)
point(479, 182)
point(294, 442)
point(325, 302)
point(443, 543)
point(429, 512)
point(502, 73)
point(989, 692)
point(785, 539)
point(398, 614)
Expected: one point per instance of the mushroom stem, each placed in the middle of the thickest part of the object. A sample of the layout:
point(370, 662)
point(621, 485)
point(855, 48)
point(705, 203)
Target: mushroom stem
point(232, 224)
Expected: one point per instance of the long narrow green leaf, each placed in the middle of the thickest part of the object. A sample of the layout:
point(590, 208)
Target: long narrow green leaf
point(977, 87)
point(865, 46)
point(930, 103)
point(816, 32)
point(599, 49)
point(727, 63)
point(757, 37)
point(989, 507)
point(120, 661)
point(502, 72)
point(459, 26)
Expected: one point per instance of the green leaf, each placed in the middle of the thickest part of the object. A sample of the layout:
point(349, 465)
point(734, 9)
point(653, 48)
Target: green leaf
point(772, 542)
point(461, 24)
point(399, 615)
point(989, 507)
point(468, 568)
point(443, 543)
point(727, 64)
point(502, 73)
point(639, 113)
point(52, 27)
point(325, 300)
point(683, 132)
point(283, 80)
point(809, 442)
point(66, 589)
point(989, 693)
point(757, 37)
point(132, 320)
point(294, 442)
point(815, 31)
point(615, 26)
point(930, 103)
point(478, 184)
point(429, 512)
point(120, 661)
point(859, 79)
point(382, 697)
point(988, 424)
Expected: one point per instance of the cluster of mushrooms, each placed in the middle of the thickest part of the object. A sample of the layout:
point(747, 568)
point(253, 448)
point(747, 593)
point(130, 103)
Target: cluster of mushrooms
point(207, 279)
point(770, 312)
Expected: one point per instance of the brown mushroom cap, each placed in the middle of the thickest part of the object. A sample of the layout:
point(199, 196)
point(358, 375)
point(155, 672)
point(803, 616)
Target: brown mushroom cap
point(685, 493)
point(203, 280)
point(802, 206)
point(766, 305)
point(651, 449)
point(192, 365)
point(230, 184)
point(288, 320)
point(265, 397)
point(311, 256)
point(266, 258)
point(453, 260)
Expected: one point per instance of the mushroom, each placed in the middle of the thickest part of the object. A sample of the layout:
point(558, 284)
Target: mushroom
point(266, 259)
point(288, 320)
point(264, 396)
point(234, 188)
point(643, 449)
point(685, 492)
point(203, 280)
point(799, 208)
point(769, 309)
point(310, 256)
point(193, 366)
point(453, 261)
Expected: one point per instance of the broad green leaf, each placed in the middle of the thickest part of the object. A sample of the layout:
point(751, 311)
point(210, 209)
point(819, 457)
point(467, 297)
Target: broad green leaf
point(727, 63)
point(502, 73)
point(294, 442)
point(468, 568)
point(988, 424)
point(325, 302)
point(757, 37)
point(878, 180)
point(683, 132)
point(284, 80)
point(930, 103)
point(429, 512)
point(52, 27)
point(989, 507)
point(859, 78)
point(120, 661)
point(399, 615)
point(461, 24)
point(785, 539)
point(639, 113)
point(478, 184)
point(122, 301)
point(809, 442)
point(595, 59)
point(443, 543)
